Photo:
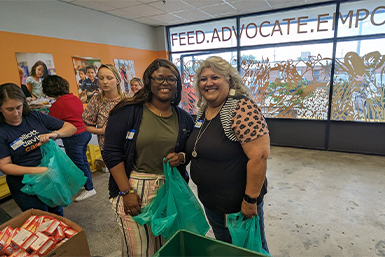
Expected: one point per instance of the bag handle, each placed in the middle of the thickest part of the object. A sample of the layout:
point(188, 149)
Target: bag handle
point(167, 169)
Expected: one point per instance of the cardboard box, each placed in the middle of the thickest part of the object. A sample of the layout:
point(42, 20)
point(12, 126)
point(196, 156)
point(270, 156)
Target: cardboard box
point(75, 246)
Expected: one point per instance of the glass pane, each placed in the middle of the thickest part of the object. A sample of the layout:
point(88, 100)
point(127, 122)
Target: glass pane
point(217, 34)
point(361, 18)
point(358, 91)
point(290, 26)
point(289, 82)
point(187, 65)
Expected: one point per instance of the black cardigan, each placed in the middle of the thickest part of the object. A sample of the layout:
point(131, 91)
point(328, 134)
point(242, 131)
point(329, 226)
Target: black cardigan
point(118, 149)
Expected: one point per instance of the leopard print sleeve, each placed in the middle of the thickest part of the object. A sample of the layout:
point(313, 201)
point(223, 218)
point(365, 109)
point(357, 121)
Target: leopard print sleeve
point(248, 122)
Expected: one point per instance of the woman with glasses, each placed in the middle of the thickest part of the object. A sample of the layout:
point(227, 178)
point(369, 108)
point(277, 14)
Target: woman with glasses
point(140, 132)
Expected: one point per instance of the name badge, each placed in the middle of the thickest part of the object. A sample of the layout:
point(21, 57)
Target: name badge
point(130, 134)
point(198, 124)
point(16, 144)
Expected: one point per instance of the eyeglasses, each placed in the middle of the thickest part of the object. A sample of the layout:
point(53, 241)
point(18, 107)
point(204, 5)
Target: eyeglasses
point(159, 80)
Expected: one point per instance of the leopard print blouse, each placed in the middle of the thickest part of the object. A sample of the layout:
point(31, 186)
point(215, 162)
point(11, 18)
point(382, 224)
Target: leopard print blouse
point(242, 120)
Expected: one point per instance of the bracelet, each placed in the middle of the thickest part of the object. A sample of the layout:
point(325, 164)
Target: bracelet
point(131, 191)
point(184, 158)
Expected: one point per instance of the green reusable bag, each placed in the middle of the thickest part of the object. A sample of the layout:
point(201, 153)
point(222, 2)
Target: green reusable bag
point(245, 232)
point(155, 208)
point(62, 180)
point(175, 207)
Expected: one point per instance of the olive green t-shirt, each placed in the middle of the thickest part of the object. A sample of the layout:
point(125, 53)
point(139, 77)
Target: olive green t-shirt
point(156, 139)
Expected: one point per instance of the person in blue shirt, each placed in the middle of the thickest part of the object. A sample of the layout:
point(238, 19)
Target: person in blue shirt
point(91, 83)
point(22, 132)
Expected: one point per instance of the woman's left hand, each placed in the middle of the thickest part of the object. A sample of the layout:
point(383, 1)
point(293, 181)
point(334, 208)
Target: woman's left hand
point(175, 159)
point(248, 210)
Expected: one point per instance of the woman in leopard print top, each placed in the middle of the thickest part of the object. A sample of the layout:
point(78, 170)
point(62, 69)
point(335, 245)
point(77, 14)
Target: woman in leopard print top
point(229, 146)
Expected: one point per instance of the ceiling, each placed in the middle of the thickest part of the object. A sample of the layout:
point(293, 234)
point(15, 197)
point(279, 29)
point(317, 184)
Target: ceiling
point(172, 12)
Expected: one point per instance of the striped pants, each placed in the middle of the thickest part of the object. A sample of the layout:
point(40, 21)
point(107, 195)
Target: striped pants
point(138, 240)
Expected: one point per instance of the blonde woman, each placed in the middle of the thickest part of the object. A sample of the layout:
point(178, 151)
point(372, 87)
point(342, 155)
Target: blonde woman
point(96, 114)
point(229, 147)
point(135, 85)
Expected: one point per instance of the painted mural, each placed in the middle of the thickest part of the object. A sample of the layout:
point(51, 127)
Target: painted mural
point(299, 89)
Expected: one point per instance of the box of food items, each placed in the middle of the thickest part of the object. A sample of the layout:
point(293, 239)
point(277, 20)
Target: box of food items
point(36, 233)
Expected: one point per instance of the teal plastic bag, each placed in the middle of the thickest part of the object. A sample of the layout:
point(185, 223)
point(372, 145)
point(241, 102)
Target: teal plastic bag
point(62, 180)
point(175, 207)
point(245, 232)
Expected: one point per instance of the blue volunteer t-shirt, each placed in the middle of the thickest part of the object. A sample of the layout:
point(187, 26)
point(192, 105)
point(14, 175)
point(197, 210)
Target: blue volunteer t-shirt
point(20, 142)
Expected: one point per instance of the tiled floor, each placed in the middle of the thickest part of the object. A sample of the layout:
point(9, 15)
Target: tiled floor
point(319, 204)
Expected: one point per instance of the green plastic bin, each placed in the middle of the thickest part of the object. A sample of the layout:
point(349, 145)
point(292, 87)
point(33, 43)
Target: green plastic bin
point(186, 243)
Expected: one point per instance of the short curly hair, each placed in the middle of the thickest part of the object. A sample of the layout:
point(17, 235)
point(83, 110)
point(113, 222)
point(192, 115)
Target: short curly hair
point(221, 66)
point(55, 86)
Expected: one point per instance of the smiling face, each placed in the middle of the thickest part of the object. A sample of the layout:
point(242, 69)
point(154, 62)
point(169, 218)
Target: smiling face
point(39, 71)
point(12, 111)
point(135, 87)
point(91, 74)
point(107, 80)
point(164, 92)
point(213, 87)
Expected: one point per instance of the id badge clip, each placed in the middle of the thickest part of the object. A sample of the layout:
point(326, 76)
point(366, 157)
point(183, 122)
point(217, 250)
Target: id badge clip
point(198, 124)
point(130, 134)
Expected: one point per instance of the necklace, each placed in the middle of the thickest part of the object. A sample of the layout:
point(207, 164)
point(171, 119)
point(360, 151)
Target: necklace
point(194, 152)
point(160, 113)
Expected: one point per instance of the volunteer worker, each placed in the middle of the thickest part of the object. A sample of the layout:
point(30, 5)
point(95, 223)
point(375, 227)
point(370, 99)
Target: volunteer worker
point(22, 132)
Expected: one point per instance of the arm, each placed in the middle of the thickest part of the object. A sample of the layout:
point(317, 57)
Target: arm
point(114, 157)
point(95, 130)
point(257, 151)
point(131, 201)
point(29, 86)
point(28, 83)
point(9, 168)
point(66, 131)
point(90, 116)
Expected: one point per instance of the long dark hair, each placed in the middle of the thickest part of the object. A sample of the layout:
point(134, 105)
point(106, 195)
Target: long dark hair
point(145, 94)
point(33, 69)
point(12, 91)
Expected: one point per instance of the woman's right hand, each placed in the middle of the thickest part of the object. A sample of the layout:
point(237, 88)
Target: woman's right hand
point(132, 204)
point(39, 170)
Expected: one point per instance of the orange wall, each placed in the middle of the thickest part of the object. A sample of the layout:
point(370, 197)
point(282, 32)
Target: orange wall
point(62, 51)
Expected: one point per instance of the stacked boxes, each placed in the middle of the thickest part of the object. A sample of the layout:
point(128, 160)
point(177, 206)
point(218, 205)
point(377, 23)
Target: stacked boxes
point(38, 233)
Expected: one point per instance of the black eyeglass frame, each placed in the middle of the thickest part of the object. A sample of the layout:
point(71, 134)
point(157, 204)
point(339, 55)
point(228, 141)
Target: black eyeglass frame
point(171, 81)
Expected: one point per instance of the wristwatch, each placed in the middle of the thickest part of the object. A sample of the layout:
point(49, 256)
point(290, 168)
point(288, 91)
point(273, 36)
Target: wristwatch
point(250, 200)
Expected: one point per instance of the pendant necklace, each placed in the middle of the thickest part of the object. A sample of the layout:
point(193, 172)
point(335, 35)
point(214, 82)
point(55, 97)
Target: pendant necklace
point(194, 151)
point(160, 113)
